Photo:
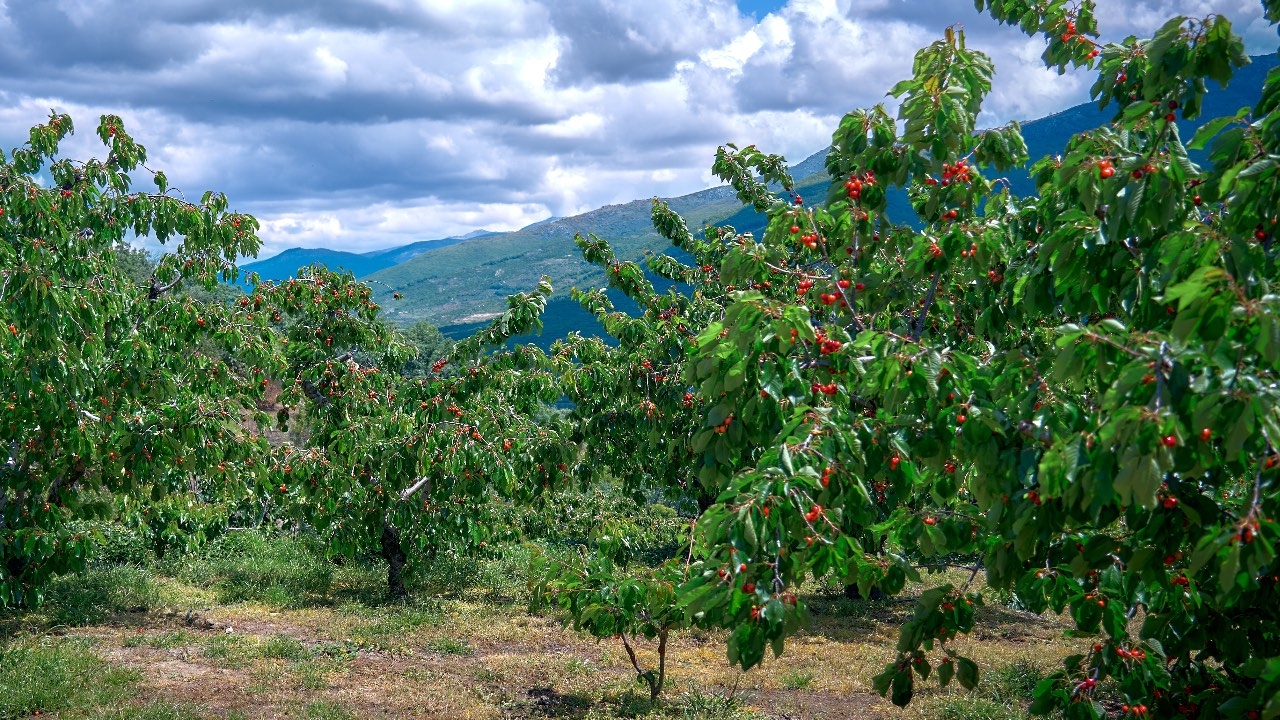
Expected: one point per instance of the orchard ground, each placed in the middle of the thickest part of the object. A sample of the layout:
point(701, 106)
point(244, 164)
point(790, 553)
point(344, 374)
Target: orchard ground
point(258, 627)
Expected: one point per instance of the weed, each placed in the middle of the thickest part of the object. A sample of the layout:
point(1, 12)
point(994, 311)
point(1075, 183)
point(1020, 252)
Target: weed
point(340, 651)
point(797, 679)
point(449, 646)
point(283, 647)
point(1003, 694)
point(389, 628)
point(699, 705)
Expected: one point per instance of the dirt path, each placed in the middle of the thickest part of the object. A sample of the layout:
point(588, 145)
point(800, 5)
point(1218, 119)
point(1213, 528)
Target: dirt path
point(464, 661)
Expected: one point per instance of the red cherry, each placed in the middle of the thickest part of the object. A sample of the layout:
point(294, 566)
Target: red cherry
point(961, 418)
point(1170, 441)
point(795, 229)
point(930, 521)
point(1137, 173)
point(1206, 434)
point(1197, 200)
point(749, 587)
point(1107, 171)
point(1169, 503)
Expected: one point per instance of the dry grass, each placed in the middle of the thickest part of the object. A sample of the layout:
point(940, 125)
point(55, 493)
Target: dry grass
point(473, 657)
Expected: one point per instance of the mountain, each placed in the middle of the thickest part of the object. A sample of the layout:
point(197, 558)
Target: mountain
point(460, 286)
point(469, 282)
point(285, 265)
point(404, 253)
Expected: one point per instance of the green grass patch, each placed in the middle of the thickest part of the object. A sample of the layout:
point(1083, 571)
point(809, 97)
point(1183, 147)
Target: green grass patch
point(314, 674)
point(282, 571)
point(1003, 693)
point(283, 647)
point(49, 675)
point(449, 646)
point(163, 640)
point(95, 595)
point(1012, 684)
point(797, 679)
point(230, 650)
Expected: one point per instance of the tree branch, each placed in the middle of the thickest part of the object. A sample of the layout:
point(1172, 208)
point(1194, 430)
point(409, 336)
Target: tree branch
point(414, 488)
point(918, 330)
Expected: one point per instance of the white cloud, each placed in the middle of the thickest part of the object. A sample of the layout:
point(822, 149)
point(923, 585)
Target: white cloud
point(369, 123)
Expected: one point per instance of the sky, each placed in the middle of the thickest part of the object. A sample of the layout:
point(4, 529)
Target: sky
point(365, 124)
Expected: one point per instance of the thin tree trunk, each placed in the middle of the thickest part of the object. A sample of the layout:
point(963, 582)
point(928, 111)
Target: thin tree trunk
point(656, 689)
point(706, 499)
point(395, 557)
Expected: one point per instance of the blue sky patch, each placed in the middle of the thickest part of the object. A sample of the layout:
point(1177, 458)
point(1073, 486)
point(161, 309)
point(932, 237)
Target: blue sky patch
point(760, 8)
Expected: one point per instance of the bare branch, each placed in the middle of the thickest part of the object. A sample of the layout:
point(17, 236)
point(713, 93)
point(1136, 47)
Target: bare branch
point(414, 488)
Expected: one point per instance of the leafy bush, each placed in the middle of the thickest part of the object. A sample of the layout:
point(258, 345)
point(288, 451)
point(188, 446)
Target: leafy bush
point(115, 543)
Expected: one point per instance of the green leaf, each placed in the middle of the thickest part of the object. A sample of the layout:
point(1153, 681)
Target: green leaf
point(1210, 129)
point(903, 688)
point(946, 671)
point(967, 673)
